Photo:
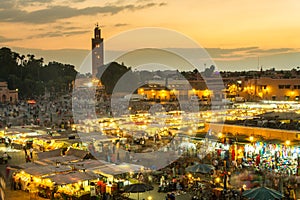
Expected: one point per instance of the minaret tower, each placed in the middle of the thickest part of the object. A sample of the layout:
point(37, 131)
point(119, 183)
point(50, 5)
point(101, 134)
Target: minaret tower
point(97, 51)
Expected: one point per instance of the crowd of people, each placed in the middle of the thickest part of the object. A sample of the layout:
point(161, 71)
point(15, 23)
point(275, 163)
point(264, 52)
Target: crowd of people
point(174, 178)
point(40, 112)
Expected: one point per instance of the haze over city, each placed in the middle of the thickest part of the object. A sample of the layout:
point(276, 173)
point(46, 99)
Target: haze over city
point(237, 35)
point(149, 99)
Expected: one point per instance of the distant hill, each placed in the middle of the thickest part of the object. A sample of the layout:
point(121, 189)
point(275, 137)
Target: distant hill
point(279, 60)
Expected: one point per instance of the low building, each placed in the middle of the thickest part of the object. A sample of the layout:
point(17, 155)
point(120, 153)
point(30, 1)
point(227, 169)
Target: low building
point(7, 95)
point(267, 88)
point(155, 91)
point(180, 89)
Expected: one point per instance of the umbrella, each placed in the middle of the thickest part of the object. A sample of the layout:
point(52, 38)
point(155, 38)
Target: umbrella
point(200, 168)
point(263, 193)
point(138, 188)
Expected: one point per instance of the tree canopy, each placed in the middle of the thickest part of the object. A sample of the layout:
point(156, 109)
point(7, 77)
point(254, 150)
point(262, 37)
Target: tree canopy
point(113, 74)
point(32, 77)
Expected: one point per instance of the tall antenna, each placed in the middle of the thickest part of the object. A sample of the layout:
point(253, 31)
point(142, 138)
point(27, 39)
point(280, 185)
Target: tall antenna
point(258, 63)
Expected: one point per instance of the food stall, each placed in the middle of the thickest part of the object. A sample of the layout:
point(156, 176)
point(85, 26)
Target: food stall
point(114, 177)
point(20, 137)
point(54, 180)
point(57, 141)
point(55, 157)
point(32, 178)
point(73, 184)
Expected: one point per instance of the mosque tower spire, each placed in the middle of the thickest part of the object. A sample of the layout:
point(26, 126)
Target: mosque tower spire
point(97, 51)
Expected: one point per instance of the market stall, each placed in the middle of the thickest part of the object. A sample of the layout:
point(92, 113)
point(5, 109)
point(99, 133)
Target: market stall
point(73, 184)
point(49, 154)
point(114, 177)
point(20, 137)
point(57, 140)
point(32, 178)
point(280, 157)
point(55, 157)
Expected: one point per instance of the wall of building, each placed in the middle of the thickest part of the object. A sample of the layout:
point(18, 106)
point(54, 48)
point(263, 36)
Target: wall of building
point(262, 88)
point(271, 89)
point(267, 133)
point(6, 95)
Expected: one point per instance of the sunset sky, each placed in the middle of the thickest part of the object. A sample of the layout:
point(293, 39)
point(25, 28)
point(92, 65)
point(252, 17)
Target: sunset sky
point(234, 32)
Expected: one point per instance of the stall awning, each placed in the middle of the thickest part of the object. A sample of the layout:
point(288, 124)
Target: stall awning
point(96, 137)
point(72, 177)
point(61, 159)
point(108, 170)
point(113, 169)
point(23, 166)
point(46, 170)
point(49, 154)
point(72, 155)
point(89, 164)
point(128, 167)
point(27, 165)
point(77, 152)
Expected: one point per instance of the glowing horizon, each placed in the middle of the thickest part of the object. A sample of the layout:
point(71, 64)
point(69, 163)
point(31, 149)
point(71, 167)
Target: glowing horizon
point(231, 30)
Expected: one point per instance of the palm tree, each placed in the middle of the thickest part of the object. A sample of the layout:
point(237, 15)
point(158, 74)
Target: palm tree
point(22, 59)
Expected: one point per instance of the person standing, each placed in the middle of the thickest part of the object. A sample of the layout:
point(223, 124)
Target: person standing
point(292, 194)
point(25, 151)
point(27, 158)
point(7, 172)
point(257, 160)
point(215, 163)
point(13, 182)
point(31, 152)
point(93, 191)
point(5, 157)
point(19, 183)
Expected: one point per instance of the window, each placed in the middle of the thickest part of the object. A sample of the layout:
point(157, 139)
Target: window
point(263, 87)
point(286, 98)
point(283, 86)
